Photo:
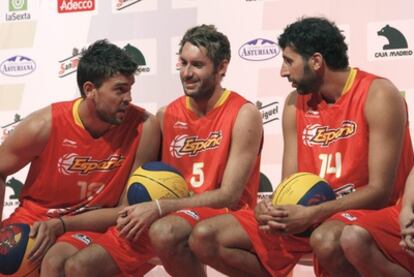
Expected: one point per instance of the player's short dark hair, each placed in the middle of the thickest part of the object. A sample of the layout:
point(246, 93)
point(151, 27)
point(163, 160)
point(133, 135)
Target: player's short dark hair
point(316, 34)
point(100, 61)
point(216, 43)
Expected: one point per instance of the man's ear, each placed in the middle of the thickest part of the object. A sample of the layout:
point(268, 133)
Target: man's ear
point(316, 61)
point(89, 89)
point(222, 67)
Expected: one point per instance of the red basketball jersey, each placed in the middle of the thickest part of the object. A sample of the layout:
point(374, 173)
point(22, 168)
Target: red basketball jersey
point(199, 146)
point(333, 140)
point(76, 172)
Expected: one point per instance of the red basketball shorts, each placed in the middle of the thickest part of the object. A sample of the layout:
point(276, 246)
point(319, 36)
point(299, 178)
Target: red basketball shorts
point(130, 257)
point(280, 253)
point(194, 215)
point(384, 227)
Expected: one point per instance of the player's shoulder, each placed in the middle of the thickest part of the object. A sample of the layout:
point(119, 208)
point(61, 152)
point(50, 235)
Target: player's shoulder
point(37, 125)
point(39, 119)
point(249, 113)
point(291, 98)
point(383, 91)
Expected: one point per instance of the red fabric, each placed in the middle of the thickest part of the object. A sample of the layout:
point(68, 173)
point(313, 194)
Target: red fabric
point(384, 227)
point(195, 215)
point(278, 254)
point(333, 139)
point(77, 172)
point(131, 258)
point(183, 131)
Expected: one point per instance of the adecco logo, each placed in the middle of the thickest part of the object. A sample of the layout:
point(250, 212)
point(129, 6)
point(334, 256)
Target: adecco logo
point(67, 6)
point(17, 66)
point(259, 49)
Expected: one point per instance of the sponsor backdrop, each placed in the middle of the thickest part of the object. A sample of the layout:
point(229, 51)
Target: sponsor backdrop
point(40, 43)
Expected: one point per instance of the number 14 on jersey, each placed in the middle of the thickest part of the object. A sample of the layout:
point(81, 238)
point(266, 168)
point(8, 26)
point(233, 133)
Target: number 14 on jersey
point(331, 164)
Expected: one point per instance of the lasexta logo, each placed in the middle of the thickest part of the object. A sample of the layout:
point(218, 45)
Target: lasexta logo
point(17, 5)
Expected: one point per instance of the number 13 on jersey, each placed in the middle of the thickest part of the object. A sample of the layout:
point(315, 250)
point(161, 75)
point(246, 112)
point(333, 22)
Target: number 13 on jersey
point(331, 164)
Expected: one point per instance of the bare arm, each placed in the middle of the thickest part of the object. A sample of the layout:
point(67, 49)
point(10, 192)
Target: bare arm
point(290, 159)
point(385, 113)
point(290, 147)
point(23, 145)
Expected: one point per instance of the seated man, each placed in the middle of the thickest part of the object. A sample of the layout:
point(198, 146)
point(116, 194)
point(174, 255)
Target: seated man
point(332, 127)
point(213, 137)
point(81, 153)
point(377, 244)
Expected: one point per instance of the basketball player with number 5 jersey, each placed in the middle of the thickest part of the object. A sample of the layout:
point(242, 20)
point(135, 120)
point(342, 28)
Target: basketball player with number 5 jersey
point(200, 146)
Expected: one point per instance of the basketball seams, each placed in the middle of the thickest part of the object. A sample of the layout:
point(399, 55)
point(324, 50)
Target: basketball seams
point(284, 186)
point(158, 182)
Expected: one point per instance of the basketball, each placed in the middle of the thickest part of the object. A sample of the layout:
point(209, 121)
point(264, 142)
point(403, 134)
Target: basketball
point(15, 246)
point(304, 189)
point(155, 180)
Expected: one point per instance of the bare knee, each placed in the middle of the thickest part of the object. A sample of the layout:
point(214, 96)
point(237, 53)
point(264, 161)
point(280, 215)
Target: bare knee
point(325, 243)
point(166, 234)
point(53, 264)
point(75, 266)
point(355, 241)
point(203, 241)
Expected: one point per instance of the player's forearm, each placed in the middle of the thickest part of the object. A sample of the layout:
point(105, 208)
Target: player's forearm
point(365, 198)
point(96, 220)
point(214, 199)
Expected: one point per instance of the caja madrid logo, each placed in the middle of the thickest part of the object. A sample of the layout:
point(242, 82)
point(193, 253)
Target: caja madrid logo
point(67, 6)
point(73, 163)
point(192, 145)
point(317, 134)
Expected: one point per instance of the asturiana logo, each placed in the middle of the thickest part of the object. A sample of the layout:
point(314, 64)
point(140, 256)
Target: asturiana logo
point(259, 49)
point(67, 6)
point(17, 66)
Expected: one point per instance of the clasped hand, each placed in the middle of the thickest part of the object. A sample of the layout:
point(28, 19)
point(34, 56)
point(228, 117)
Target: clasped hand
point(407, 229)
point(283, 219)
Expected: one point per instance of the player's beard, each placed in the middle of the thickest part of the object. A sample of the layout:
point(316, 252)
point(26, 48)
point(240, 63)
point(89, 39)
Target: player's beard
point(110, 118)
point(309, 83)
point(205, 90)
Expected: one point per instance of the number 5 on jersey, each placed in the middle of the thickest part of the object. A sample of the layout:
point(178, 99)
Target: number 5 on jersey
point(197, 180)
